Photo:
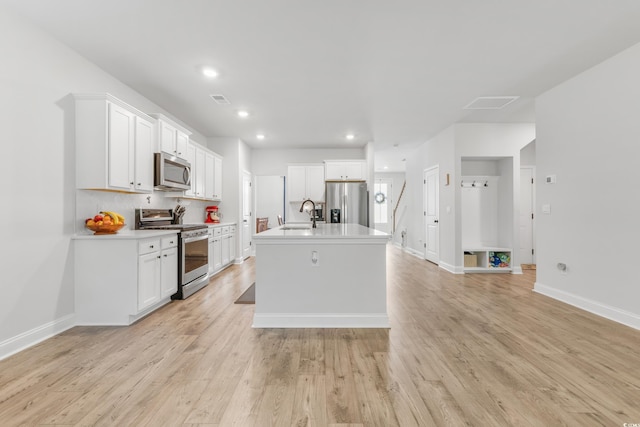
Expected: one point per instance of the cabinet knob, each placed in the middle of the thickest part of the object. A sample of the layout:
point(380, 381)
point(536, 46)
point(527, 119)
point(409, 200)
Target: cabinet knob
point(139, 184)
point(435, 220)
point(131, 183)
point(150, 246)
point(165, 255)
point(158, 256)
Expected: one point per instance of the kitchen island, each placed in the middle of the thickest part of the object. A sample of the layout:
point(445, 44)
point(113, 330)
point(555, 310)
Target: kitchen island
point(333, 276)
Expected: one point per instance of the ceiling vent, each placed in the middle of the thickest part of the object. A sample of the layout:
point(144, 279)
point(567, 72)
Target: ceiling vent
point(220, 99)
point(490, 102)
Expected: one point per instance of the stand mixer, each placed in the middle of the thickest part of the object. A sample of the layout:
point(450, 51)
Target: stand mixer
point(212, 214)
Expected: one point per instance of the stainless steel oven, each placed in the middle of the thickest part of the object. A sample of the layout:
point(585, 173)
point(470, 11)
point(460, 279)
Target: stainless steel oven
point(194, 245)
point(193, 248)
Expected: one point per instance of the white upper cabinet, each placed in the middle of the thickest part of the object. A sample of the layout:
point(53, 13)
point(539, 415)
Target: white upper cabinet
point(199, 172)
point(305, 182)
point(213, 177)
point(114, 145)
point(345, 170)
point(172, 138)
point(143, 171)
point(206, 173)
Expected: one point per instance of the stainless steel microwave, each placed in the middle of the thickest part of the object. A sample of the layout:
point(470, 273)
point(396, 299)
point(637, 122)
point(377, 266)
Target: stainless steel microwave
point(171, 173)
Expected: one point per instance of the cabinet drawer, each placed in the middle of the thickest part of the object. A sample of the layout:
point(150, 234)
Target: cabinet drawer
point(232, 229)
point(169, 242)
point(225, 230)
point(217, 231)
point(148, 246)
point(210, 232)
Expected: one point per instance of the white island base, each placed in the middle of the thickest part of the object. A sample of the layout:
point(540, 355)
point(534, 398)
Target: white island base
point(330, 277)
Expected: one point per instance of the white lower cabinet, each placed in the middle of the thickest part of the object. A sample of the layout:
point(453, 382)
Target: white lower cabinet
point(148, 279)
point(138, 276)
point(222, 247)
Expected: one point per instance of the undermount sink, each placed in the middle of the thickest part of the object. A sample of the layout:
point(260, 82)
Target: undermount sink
point(296, 227)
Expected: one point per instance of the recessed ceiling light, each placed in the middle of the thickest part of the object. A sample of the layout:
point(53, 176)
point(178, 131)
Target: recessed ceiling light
point(210, 72)
point(260, 136)
point(243, 114)
point(350, 136)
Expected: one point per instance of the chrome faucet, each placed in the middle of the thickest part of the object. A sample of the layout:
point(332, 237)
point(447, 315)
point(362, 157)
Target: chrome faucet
point(313, 212)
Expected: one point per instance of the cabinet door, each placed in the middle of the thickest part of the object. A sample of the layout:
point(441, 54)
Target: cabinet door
point(354, 171)
point(209, 172)
point(167, 138)
point(315, 183)
point(182, 141)
point(217, 178)
point(144, 156)
point(232, 247)
point(334, 171)
point(191, 158)
point(211, 254)
point(217, 253)
point(199, 172)
point(169, 272)
point(121, 146)
point(297, 177)
point(148, 279)
point(225, 250)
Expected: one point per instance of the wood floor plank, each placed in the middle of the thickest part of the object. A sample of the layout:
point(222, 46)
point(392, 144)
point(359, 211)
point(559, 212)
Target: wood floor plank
point(474, 350)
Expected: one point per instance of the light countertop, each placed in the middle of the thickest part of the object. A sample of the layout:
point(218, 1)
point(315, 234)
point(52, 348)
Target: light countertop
point(322, 232)
point(219, 224)
point(124, 235)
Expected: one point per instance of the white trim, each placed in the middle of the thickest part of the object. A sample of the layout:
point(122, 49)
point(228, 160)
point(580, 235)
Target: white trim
point(320, 320)
point(517, 270)
point(413, 252)
point(451, 268)
point(36, 335)
point(594, 307)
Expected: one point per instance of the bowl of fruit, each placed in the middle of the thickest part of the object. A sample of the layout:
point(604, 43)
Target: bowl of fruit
point(106, 222)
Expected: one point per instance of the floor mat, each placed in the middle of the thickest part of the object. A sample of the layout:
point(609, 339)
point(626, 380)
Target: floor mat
point(249, 296)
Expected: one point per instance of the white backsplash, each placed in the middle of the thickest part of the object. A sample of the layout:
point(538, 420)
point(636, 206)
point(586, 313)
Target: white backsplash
point(91, 202)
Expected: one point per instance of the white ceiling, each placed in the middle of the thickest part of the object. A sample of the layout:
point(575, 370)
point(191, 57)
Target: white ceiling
point(310, 71)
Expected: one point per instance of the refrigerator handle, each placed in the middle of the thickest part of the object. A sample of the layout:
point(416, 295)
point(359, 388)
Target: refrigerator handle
point(345, 204)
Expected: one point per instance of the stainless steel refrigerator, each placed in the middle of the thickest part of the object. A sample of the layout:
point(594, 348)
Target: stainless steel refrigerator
point(347, 203)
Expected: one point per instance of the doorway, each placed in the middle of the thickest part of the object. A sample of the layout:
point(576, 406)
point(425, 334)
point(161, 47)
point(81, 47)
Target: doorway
point(382, 204)
point(431, 214)
point(246, 215)
point(527, 217)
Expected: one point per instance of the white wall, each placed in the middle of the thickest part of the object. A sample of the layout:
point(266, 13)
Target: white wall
point(276, 161)
point(237, 159)
point(438, 151)
point(38, 216)
point(397, 179)
point(587, 134)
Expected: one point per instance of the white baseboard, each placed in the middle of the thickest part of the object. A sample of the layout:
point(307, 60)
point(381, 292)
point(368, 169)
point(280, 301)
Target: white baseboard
point(36, 335)
point(320, 320)
point(413, 252)
point(451, 268)
point(594, 307)
point(517, 270)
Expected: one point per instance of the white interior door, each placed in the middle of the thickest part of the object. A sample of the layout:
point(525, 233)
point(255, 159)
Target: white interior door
point(527, 194)
point(431, 213)
point(382, 204)
point(246, 215)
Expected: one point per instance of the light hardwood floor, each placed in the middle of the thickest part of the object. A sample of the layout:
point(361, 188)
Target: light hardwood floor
point(479, 350)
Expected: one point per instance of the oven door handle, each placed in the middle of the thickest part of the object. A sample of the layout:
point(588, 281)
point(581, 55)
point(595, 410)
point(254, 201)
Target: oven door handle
point(195, 239)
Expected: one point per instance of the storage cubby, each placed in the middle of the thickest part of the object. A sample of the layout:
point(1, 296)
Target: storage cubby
point(485, 257)
point(487, 214)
